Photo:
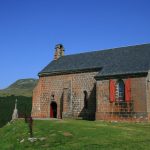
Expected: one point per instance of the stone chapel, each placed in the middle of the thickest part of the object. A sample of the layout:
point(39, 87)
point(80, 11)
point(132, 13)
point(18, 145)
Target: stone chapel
point(112, 84)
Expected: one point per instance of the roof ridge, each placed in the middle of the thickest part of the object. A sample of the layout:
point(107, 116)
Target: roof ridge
point(108, 49)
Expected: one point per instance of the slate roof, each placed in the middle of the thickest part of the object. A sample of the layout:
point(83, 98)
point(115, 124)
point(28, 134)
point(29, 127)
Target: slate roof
point(124, 60)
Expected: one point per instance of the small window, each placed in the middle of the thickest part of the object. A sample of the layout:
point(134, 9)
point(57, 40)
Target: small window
point(52, 97)
point(120, 91)
point(85, 100)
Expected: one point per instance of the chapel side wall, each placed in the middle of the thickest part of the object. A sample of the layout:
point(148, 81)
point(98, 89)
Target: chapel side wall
point(36, 111)
point(138, 95)
point(148, 94)
point(84, 82)
point(57, 85)
point(136, 110)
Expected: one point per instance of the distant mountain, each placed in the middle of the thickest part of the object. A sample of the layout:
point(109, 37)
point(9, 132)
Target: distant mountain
point(22, 87)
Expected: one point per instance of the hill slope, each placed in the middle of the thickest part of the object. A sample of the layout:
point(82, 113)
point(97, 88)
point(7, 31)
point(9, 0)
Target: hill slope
point(22, 87)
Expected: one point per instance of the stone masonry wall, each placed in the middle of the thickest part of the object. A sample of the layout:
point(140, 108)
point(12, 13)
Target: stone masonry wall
point(136, 110)
point(68, 91)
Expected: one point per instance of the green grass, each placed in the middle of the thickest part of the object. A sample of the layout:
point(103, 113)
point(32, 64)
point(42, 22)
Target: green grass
point(76, 135)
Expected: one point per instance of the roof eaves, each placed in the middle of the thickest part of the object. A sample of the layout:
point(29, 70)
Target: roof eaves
point(41, 74)
point(123, 75)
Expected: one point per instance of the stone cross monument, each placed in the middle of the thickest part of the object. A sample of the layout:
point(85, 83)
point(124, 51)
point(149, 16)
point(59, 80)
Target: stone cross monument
point(15, 113)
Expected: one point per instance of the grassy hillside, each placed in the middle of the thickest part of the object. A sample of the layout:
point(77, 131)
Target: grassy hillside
point(76, 135)
point(22, 87)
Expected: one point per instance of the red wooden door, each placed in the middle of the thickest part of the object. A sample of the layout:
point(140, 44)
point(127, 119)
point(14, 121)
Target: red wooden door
point(51, 111)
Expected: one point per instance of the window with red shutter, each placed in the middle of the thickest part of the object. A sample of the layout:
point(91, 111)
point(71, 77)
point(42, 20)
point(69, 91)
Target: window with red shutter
point(128, 90)
point(120, 90)
point(112, 89)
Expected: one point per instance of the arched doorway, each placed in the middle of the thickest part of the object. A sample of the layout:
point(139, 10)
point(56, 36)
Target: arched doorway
point(85, 99)
point(53, 110)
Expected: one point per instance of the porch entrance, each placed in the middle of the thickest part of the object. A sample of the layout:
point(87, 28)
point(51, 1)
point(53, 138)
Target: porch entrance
point(53, 110)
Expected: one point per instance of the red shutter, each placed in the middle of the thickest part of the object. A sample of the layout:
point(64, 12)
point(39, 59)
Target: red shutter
point(128, 90)
point(112, 91)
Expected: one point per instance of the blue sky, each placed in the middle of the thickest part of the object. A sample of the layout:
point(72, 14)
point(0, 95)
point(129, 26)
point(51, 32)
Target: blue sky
point(30, 29)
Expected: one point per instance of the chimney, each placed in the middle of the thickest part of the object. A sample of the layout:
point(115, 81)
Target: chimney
point(59, 51)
